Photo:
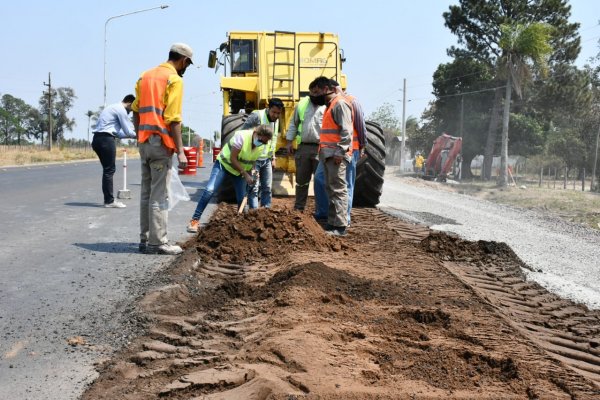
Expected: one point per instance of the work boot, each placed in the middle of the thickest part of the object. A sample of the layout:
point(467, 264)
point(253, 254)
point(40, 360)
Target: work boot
point(193, 226)
point(143, 247)
point(166, 248)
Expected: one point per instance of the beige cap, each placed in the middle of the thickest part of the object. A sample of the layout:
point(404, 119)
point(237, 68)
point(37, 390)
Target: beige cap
point(183, 49)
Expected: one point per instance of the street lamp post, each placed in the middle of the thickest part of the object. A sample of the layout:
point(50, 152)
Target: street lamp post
point(106, 23)
point(403, 126)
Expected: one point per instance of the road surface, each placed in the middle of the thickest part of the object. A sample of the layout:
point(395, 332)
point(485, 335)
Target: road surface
point(70, 268)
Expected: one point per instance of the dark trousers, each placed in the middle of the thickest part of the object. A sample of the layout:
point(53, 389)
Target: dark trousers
point(105, 147)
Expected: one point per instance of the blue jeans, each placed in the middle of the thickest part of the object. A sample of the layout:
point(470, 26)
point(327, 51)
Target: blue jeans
point(265, 181)
point(321, 200)
point(217, 175)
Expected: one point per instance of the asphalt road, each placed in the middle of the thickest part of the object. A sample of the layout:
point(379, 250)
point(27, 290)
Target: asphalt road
point(70, 267)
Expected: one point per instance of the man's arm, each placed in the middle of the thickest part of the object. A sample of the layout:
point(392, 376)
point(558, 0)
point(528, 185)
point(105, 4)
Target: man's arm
point(252, 121)
point(342, 115)
point(359, 124)
point(125, 124)
point(136, 125)
point(238, 167)
point(292, 131)
point(176, 133)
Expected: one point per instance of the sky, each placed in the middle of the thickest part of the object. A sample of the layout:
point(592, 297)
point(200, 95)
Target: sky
point(384, 42)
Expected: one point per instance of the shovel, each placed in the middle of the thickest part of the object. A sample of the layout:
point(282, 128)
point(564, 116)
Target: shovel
point(248, 189)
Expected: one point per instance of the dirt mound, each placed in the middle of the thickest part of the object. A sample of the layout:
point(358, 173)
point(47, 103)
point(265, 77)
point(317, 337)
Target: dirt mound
point(262, 233)
point(266, 310)
point(452, 248)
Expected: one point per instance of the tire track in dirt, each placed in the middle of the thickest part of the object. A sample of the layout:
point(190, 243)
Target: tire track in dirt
point(272, 308)
point(570, 332)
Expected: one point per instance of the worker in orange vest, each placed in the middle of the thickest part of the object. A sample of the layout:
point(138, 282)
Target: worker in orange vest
point(157, 120)
point(335, 151)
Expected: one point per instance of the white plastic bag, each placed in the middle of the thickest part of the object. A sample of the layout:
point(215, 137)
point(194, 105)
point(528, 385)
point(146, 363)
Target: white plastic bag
point(176, 190)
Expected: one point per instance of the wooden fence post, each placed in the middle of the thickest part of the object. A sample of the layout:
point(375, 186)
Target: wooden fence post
point(565, 184)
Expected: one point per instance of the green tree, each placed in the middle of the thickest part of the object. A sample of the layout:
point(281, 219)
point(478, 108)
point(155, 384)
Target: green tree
point(477, 24)
point(523, 46)
point(62, 101)
point(15, 116)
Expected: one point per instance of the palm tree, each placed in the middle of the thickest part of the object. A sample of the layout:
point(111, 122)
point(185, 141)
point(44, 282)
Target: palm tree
point(89, 114)
point(520, 44)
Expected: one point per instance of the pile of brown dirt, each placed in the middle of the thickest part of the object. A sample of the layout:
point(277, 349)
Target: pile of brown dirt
point(260, 234)
point(406, 314)
point(452, 248)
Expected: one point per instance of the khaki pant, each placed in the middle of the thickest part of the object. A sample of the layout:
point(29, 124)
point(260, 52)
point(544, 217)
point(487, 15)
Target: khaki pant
point(156, 171)
point(337, 192)
point(307, 160)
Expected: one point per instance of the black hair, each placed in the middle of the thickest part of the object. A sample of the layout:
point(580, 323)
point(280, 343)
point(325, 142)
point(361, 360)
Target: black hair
point(321, 82)
point(334, 83)
point(173, 56)
point(275, 102)
point(129, 98)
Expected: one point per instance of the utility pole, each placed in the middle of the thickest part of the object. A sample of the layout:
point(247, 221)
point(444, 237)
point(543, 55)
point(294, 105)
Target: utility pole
point(49, 84)
point(462, 114)
point(403, 126)
point(594, 186)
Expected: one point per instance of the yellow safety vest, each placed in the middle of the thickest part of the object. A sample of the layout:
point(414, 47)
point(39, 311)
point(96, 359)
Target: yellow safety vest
point(247, 155)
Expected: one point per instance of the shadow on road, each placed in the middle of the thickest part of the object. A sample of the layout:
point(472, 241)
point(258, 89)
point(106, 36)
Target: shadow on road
point(78, 204)
point(110, 247)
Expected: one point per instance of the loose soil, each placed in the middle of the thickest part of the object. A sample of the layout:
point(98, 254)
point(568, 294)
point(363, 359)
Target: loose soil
point(265, 305)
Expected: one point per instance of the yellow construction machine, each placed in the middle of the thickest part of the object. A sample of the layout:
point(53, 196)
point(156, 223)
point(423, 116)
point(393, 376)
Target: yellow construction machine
point(258, 66)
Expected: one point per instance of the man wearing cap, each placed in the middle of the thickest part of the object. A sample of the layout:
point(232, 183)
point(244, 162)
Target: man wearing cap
point(157, 121)
point(264, 164)
point(113, 124)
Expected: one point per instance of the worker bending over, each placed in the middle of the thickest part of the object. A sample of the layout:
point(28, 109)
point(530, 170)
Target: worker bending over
point(235, 161)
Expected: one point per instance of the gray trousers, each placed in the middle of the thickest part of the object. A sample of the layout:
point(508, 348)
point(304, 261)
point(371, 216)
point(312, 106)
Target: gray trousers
point(337, 192)
point(156, 171)
point(307, 160)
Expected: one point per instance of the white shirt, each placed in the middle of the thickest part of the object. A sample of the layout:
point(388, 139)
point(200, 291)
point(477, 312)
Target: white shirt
point(114, 120)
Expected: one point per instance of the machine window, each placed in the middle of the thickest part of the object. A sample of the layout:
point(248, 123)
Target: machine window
point(243, 55)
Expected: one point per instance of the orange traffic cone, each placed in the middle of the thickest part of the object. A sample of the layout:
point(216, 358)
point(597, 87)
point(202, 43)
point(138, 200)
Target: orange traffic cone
point(201, 154)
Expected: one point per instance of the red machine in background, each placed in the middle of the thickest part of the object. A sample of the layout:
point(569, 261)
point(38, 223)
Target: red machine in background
point(442, 157)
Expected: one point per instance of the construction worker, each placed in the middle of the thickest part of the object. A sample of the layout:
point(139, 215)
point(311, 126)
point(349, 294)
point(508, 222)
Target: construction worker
point(113, 123)
point(419, 162)
point(304, 128)
point(264, 164)
point(157, 121)
point(359, 142)
point(235, 161)
point(335, 151)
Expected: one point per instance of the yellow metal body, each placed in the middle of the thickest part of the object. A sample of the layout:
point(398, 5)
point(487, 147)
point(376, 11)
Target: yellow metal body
point(264, 65)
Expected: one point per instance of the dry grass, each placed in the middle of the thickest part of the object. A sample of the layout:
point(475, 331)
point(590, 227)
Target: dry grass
point(34, 155)
point(572, 205)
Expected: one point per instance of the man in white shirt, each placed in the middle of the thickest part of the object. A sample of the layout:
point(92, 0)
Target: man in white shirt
point(113, 124)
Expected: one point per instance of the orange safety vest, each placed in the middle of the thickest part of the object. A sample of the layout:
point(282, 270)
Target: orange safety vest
point(151, 106)
point(330, 130)
point(355, 144)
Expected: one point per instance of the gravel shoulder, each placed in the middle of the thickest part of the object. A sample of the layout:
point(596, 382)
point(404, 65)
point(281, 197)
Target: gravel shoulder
point(563, 256)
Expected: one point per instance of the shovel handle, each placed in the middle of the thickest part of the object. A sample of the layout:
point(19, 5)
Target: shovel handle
point(244, 201)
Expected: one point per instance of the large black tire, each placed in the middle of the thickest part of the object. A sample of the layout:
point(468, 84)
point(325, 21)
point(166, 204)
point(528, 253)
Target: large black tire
point(229, 125)
point(370, 169)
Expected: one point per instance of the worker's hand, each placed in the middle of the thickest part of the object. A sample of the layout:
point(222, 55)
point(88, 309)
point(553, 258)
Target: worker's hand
point(362, 153)
point(338, 159)
point(249, 179)
point(182, 159)
point(273, 162)
point(290, 148)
